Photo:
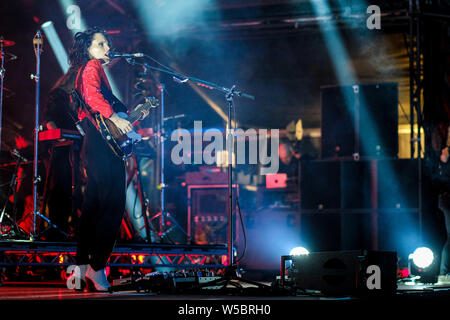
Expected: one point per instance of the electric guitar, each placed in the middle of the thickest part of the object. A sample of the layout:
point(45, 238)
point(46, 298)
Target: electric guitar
point(122, 144)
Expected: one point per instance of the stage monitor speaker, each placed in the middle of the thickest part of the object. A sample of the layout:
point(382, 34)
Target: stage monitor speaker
point(346, 272)
point(360, 119)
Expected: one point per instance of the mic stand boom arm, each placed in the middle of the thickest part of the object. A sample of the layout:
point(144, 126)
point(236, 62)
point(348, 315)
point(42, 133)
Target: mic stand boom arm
point(180, 78)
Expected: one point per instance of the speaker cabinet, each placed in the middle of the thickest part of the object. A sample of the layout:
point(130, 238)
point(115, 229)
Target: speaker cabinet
point(361, 119)
point(320, 185)
point(350, 205)
point(270, 233)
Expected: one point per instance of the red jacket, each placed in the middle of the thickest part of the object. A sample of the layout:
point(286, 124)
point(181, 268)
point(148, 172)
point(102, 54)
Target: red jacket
point(89, 88)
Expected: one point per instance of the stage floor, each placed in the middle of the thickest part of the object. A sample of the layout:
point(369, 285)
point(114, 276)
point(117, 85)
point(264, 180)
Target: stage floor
point(53, 298)
point(57, 290)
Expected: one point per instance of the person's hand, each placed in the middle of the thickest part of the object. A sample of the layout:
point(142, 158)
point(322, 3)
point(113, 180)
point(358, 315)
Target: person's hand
point(445, 155)
point(123, 125)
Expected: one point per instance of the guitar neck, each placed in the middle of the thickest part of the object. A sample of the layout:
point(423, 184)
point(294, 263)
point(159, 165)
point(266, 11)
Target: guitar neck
point(134, 115)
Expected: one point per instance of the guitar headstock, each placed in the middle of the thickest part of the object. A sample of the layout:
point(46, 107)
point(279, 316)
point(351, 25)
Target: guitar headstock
point(150, 102)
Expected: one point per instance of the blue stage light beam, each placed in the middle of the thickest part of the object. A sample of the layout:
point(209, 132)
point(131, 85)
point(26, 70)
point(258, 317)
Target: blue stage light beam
point(343, 68)
point(342, 65)
point(409, 237)
point(166, 21)
point(170, 18)
point(56, 45)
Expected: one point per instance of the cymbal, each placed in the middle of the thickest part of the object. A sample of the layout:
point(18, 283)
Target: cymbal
point(6, 43)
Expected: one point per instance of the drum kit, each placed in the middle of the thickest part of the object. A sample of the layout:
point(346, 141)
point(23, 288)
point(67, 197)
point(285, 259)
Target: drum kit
point(6, 57)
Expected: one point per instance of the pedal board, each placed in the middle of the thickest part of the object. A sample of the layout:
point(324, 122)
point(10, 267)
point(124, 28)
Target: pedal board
point(159, 282)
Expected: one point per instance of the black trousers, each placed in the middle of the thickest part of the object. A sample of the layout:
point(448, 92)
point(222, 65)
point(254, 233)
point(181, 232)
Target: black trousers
point(104, 200)
point(444, 205)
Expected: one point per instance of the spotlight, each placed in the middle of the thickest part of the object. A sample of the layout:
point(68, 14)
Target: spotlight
point(298, 251)
point(421, 263)
point(422, 257)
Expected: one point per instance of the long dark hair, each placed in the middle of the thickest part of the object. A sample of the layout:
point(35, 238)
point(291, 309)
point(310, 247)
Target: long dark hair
point(79, 54)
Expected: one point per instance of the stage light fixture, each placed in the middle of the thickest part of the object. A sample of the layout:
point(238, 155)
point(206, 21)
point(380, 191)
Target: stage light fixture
point(422, 266)
point(422, 257)
point(298, 251)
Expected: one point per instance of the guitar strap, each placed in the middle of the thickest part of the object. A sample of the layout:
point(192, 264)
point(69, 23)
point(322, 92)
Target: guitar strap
point(79, 104)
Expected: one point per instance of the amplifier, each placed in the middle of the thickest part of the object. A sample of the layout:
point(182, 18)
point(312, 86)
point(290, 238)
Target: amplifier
point(207, 175)
point(207, 213)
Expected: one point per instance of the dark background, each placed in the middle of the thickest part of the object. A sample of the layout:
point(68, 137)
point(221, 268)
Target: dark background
point(281, 63)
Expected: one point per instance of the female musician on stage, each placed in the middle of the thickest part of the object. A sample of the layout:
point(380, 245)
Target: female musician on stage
point(104, 199)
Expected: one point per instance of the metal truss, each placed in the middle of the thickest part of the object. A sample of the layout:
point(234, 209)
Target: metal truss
point(415, 74)
point(44, 254)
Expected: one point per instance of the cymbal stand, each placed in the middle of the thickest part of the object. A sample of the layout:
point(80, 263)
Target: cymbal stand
point(164, 225)
point(165, 218)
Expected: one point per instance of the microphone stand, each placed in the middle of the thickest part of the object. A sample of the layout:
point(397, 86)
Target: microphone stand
point(37, 44)
point(163, 214)
point(230, 271)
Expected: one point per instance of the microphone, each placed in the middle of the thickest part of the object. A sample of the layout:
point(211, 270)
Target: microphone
point(178, 80)
point(115, 54)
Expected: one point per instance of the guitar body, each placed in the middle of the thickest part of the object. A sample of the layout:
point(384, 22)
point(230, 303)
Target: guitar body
point(119, 143)
point(122, 144)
